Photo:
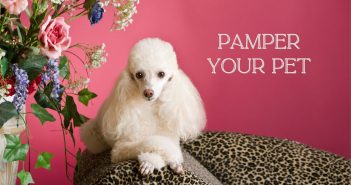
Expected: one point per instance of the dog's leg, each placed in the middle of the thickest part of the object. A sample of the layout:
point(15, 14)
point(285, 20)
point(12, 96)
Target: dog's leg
point(152, 152)
point(150, 161)
point(138, 150)
point(174, 159)
point(168, 149)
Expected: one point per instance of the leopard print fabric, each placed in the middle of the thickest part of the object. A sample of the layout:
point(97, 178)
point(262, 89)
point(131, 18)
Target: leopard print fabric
point(98, 170)
point(246, 159)
point(233, 159)
point(127, 173)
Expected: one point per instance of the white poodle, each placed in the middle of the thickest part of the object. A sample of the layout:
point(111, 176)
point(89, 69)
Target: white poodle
point(152, 107)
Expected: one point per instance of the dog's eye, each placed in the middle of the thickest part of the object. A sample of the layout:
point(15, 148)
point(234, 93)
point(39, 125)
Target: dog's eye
point(161, 74)
point(139, 75)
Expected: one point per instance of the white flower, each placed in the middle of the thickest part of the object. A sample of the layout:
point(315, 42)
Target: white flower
point(96, 56)
point(126, 9)
point(78, 84)
point(57, 1)
point(4, 90)
point(86, 81)
point(107, 2)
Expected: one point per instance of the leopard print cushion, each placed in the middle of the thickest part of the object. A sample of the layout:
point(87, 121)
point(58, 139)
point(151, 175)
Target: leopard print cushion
point(247, 159)
point(98, 170)
point(234, 159)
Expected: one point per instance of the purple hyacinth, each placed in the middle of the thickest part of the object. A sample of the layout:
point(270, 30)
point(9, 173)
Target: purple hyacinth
point(52, 73)
point(20, 87)
point(45, 76)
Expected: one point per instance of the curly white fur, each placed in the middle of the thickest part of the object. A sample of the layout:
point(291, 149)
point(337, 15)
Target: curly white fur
point(147, 129)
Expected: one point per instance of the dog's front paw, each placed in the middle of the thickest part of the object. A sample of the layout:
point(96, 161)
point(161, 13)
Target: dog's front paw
point(177, 168)
point(146, 168)
point(150, 161)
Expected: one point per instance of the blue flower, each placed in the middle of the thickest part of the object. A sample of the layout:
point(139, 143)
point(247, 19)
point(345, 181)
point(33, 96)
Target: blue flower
point(52, 73)
point(20, 87)
point(96, 13)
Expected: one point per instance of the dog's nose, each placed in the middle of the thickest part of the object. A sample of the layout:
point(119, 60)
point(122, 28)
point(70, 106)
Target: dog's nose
point(148, 93)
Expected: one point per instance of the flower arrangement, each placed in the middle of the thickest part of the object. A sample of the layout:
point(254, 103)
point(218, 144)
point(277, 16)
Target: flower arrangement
point(34, 60)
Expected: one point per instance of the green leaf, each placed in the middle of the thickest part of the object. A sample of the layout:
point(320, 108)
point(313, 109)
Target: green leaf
point(43, 160)
point(71, 133)
point(33, 65)
point(35, 8)
point(20, 38)
point(78, 157)
point(4, 66)
point(88, 4)
point(40, 17)
point(21, 30)
point(35, 50)
point(14, 150)
point(64, 67)
point(43, 6)
point(43, 100)
point(84, 118)
point(42, 114)
point(10, 50)
point(25, 178)
point(66, 117)
point(70, 112)
point(48, 89)
point(7, 111)
point(84, 96)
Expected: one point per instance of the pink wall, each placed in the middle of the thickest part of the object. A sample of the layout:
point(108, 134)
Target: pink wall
point(313, 108)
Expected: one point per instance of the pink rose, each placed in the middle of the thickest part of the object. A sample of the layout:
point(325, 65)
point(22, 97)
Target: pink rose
point(15, 6)
point(54, 37)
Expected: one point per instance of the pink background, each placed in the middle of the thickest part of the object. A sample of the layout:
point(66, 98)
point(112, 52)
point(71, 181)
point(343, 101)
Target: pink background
point(313, 109)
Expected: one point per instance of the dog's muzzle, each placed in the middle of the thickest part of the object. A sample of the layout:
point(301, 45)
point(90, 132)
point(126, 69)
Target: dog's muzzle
point(148, 93)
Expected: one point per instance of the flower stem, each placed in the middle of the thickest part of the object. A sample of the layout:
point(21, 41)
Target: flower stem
point(80, 59)
point(84, 12)
point(57, 9)
point(66, 9)
point(64, 144)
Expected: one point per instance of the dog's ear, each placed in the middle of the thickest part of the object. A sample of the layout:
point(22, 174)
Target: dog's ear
point(123, 87)
point(193, 112)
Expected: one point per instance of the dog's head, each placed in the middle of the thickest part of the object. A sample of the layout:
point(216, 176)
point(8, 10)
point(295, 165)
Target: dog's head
point(152, 63)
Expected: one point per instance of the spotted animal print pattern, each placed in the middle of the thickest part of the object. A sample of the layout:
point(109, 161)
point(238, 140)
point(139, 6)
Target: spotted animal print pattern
point(246, 159)
point(234, 159)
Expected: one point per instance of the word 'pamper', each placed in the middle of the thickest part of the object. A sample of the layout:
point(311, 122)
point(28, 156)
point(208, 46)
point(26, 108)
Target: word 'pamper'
point(261, 41)
point(257, 65)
